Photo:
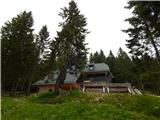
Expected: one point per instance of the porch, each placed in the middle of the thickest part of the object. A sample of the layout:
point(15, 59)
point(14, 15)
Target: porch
point(107, 87)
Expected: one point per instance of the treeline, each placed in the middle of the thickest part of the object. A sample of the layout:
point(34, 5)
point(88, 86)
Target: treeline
point(142, 73)
point(120, 65)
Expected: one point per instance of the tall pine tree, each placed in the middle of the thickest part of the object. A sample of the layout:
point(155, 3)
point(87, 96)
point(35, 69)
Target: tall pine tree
point(98, 57)
point(18, 51)
point(144, 42)
point(144, 33)
point(43, 43)
point(123, 67)
point(111, 61)
point(71, 42)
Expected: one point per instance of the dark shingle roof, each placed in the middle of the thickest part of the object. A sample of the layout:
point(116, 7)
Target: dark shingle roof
point(51, 79)
point(95, 67)
point(71, 77)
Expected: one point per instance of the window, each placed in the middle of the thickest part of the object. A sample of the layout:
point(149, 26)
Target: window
point(50, 90)
point(91, 67)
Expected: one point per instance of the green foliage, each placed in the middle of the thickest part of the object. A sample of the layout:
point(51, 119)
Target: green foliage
point(78, 105)
point(151, 79)
point(144, 33)
point(147, 72)
point(97, 57)
point(42, 42)
point(119, 65)
point(24, 55)
point(123, 68)
point(111, 61)
point(18, 50)
point(45, 59)
point(70, 43)
point(71, 39)
point(144, 43)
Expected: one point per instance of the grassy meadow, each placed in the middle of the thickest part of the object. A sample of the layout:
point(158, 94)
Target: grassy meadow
point(75, 105)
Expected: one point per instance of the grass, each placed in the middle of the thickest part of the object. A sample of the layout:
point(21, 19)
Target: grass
point(75, 105)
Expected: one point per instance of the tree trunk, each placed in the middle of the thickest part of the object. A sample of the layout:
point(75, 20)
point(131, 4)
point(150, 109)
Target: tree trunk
point(155, 48)
point(21, 88)
point(31, 78)
point(29, 87)
point(60, 80)
point(14, 88)
point(153, 42)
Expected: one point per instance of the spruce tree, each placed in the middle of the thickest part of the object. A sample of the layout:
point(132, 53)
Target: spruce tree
point(111, 61)
point(43, 43)
point(144, 41)
point(91, 58)
point(99, 57)
point(95, 57)
point(18, 51)
point(71, 42)
point(102, 57)
point(123, 67)
point(144, 33)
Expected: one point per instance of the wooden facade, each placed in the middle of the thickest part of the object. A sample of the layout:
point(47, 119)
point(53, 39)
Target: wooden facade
point(108, 87)
point(94, 77)
point(50, 87)
point(45, 87)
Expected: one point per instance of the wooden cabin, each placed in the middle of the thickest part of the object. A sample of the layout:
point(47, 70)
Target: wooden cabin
point(75, 80)
point(98, 77)
point(98, 72)
point(94, 76)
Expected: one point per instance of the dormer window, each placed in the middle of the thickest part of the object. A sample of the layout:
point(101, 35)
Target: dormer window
point(91, 67)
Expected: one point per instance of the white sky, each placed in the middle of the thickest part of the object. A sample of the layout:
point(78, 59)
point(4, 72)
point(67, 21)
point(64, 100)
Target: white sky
point(105, 19)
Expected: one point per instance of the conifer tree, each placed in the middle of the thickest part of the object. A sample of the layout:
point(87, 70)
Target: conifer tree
point(144, 33)
point(102, 57)
point(43, 43)
point(95, 57)
point(123, 67)
point(99, 57)
point(18, 51)
point(144, 42)
point(70, 42)
point(91, 58)
point(111, 60)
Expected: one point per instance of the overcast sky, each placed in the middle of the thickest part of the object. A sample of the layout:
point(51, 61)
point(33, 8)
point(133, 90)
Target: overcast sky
point(105, 19)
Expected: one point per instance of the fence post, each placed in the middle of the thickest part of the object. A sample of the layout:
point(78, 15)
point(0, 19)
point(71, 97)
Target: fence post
point(103, 89)
point(83, 88)
point(107, 89)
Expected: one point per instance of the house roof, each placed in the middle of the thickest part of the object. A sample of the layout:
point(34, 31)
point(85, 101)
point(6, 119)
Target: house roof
point(96, 67)
point(71, 77)
point(51, 79)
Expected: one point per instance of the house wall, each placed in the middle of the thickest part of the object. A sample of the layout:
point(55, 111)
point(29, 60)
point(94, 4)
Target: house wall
point(95, 77)
point(67, 86)
point(46, 88)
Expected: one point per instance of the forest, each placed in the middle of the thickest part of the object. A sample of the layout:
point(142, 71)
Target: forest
point(27, 57)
